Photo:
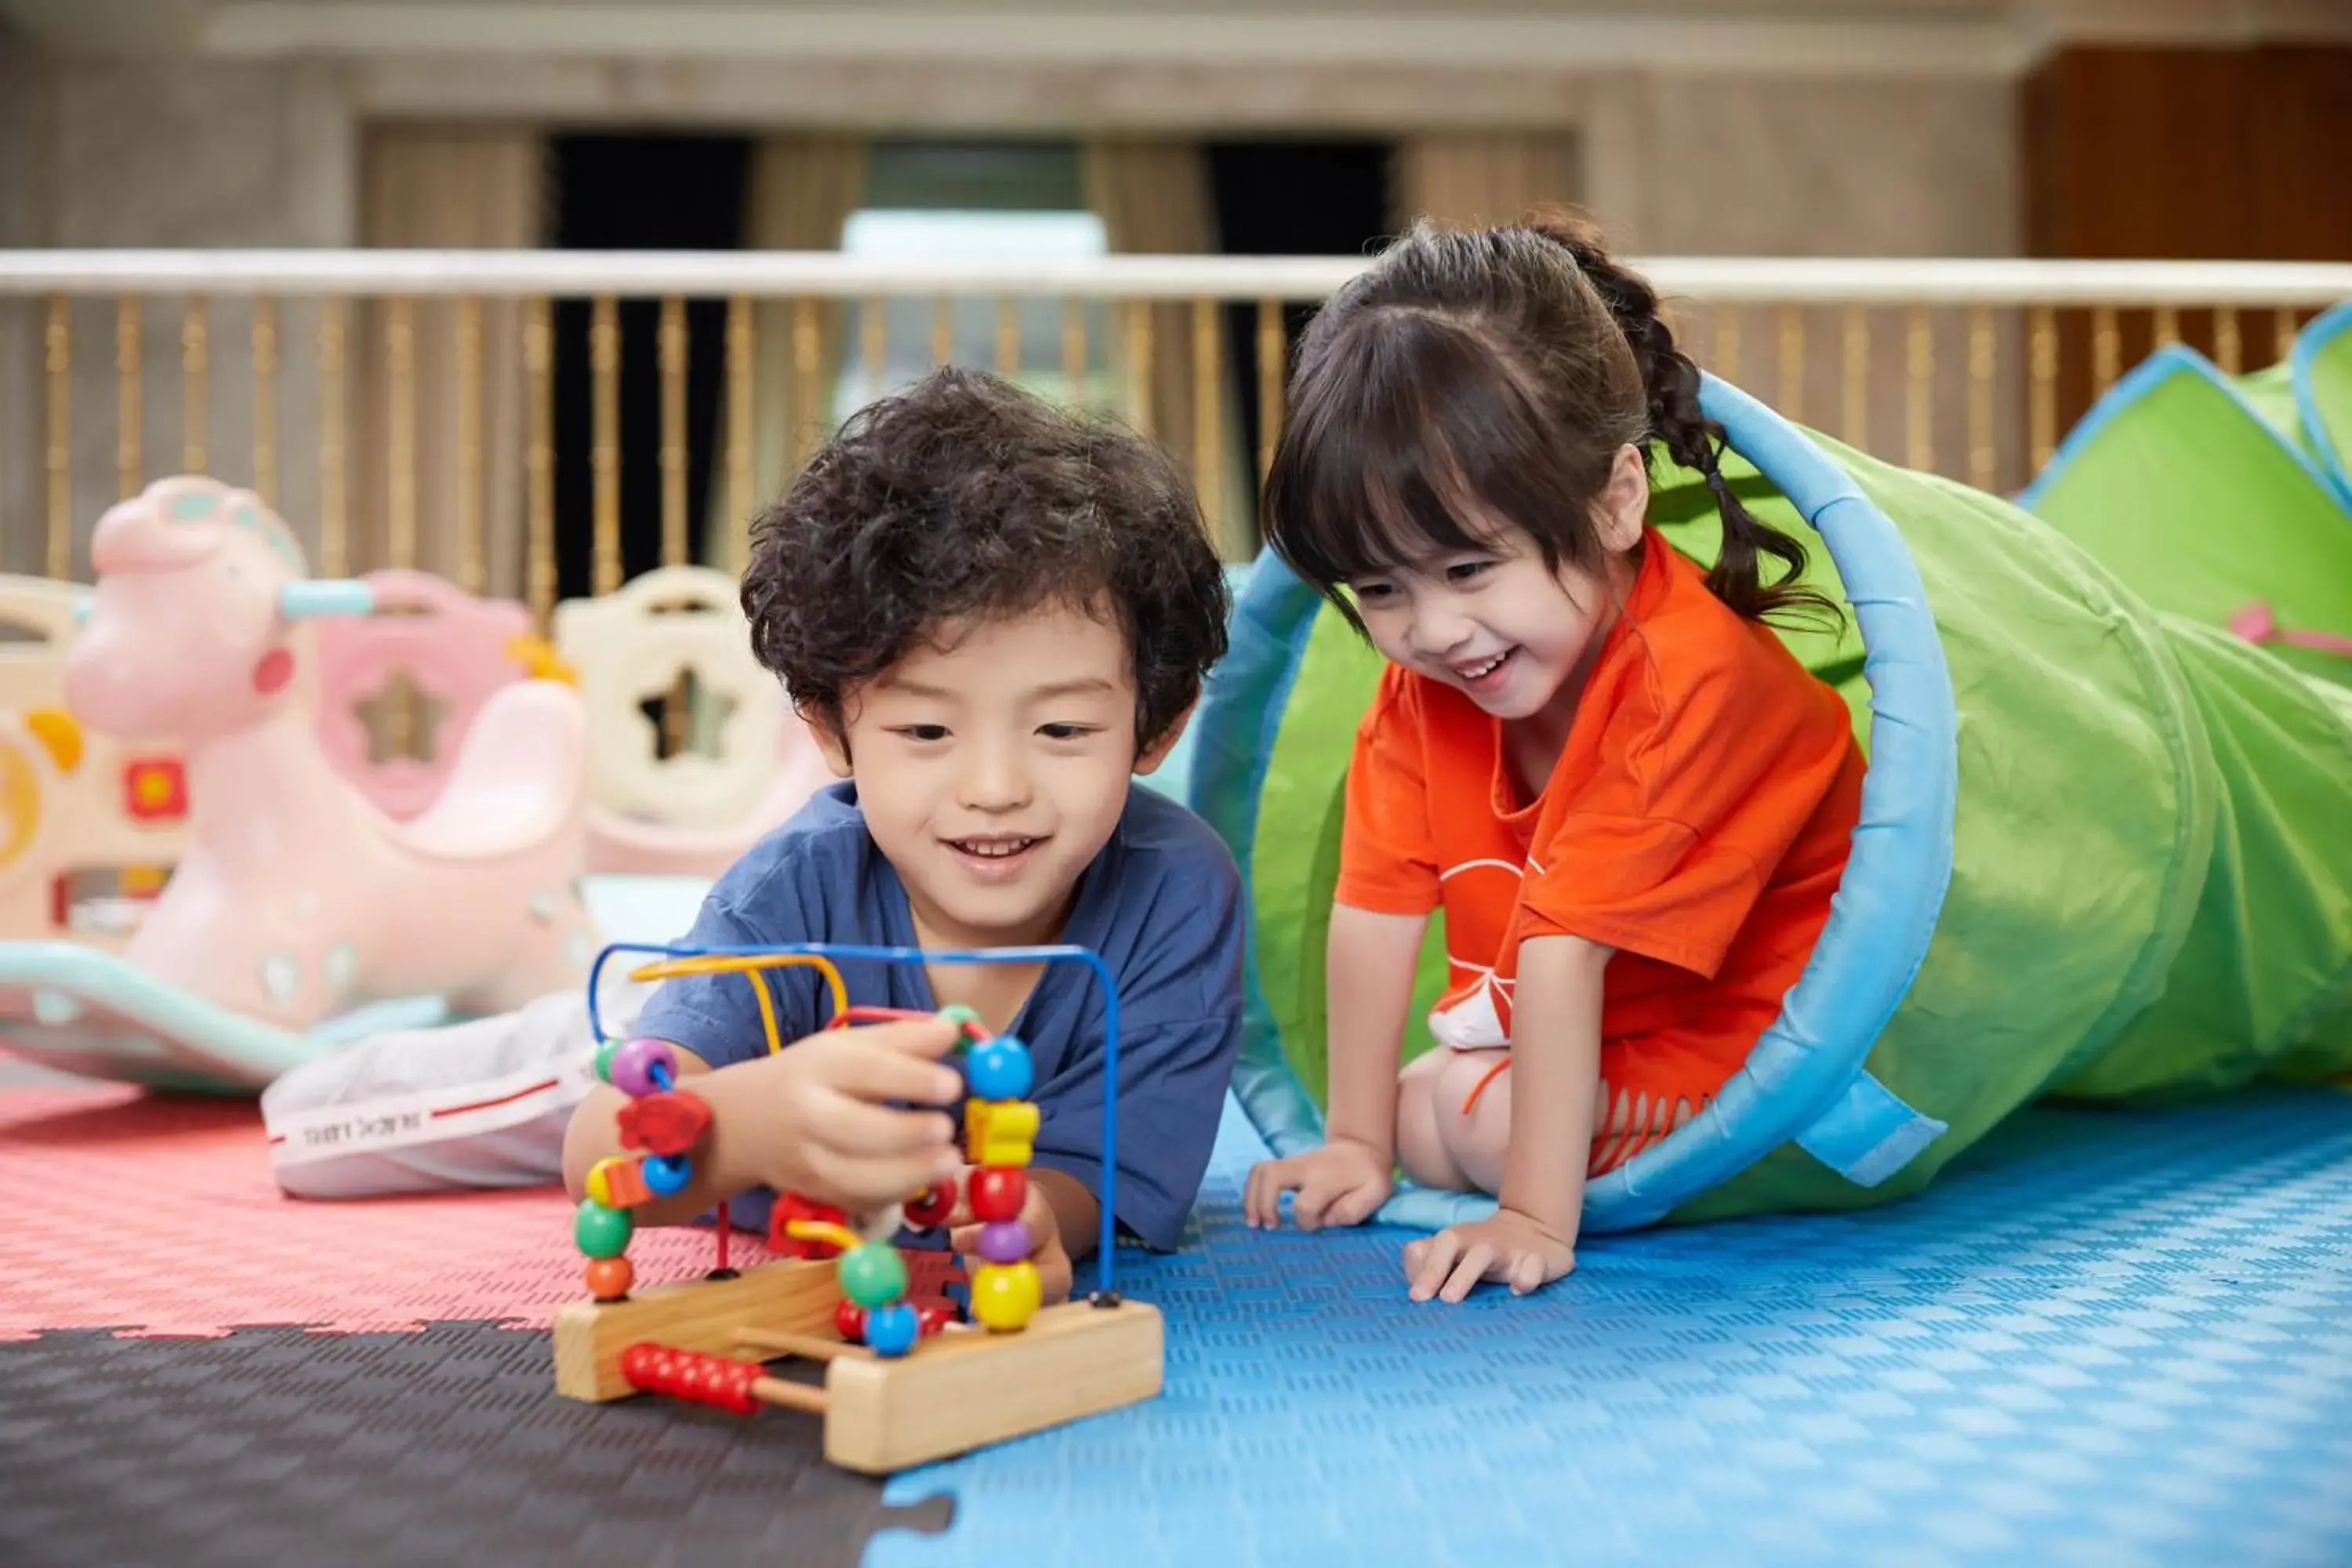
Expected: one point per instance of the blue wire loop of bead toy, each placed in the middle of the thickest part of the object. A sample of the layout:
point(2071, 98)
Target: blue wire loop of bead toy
point(1106, 1180)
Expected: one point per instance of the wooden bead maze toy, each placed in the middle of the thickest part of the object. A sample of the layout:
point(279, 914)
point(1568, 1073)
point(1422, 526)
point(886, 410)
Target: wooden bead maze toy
point(904, 1384)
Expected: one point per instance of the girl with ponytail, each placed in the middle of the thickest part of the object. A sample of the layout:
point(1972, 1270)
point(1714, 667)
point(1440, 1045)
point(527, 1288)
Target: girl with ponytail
point(1629, 800)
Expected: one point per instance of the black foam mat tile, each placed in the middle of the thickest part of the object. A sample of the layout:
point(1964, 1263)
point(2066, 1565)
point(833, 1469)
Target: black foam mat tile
point(279, 1446)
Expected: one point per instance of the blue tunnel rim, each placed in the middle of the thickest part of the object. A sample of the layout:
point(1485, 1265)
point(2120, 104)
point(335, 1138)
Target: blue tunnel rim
point(1806, 1078)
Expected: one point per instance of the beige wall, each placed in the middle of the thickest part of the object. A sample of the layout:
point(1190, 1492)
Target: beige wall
point(180, 154)
point(1829, 166)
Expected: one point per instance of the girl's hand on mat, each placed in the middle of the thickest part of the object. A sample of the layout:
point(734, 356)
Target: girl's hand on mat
point(1508, 1247)
point(818, 1118)
point(1054, 1272)
point(1340, 1183)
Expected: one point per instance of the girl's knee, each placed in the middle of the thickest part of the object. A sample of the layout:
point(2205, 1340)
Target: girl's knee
point(1462, 1115)
point(1421, 1146)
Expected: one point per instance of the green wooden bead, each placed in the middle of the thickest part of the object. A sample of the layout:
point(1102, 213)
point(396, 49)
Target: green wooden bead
point(604, 1061)
point(963, 1019)
point(602, 1232)
point(873, 1275)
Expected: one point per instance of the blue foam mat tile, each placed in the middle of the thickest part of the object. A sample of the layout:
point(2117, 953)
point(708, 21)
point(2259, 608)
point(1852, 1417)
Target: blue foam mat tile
point(2104, 1338)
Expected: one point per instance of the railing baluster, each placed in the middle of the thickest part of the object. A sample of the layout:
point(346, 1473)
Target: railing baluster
point(195, 380)
point(1273, 352)
point(1073, 348)
point(2228, 351)
point(538, 460)
point(1008, 338)
point(739, 430)
point(1853, 374)
point(129, 406)
point(605, 443)
point(1919, 392)
point(57, 366)
point(873, 329)
point(942, 330)
point(400, 371)
point(1793, 363)
point(334, 440)
point(473, 547)
point(808, 382)
point(1138, 365)
point(1984, 451)
point(2282, 330)
point(2106, 348)
point(672, 455)
point(264, 400)
point(1208, 419)
point(2166, 326)
point(1723, 342)
point(2041, 394)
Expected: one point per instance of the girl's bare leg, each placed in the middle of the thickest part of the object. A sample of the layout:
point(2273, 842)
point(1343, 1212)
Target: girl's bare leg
point(1437, 1143)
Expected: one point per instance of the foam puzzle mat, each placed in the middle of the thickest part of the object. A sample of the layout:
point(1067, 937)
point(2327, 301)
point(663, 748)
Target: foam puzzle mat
point(2108, 1338)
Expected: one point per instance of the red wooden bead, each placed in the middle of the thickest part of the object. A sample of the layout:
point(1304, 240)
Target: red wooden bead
point(932, 1208)
point(609, 1279)
point(790, 1207)
point(849, 1320)
point(670, 1123)
point(998, 1191)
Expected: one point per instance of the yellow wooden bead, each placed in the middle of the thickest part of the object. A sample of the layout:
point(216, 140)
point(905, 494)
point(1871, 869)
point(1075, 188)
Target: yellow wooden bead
point(1005, 1295)
point(999, 1131)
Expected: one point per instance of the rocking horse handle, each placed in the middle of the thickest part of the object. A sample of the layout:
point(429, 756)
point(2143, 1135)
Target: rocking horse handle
point(2255, 623)
point(320, 598)
point(2321, 642)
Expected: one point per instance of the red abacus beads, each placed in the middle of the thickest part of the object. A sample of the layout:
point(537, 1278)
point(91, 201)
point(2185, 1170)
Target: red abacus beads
point(682, 1374)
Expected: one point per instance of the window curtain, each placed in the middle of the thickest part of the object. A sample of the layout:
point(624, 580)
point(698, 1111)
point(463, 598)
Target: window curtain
point(1477, 180)
point(802, 190)
point(446, 188)
point(1154, 199)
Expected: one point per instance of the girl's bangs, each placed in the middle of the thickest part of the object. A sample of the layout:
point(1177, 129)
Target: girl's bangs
point(1408, 439)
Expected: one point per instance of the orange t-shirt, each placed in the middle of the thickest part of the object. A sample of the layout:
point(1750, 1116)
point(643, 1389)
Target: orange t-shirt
point(1697, 822)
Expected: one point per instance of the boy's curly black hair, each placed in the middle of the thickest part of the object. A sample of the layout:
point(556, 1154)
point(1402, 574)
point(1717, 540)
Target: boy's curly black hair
point(966, 497)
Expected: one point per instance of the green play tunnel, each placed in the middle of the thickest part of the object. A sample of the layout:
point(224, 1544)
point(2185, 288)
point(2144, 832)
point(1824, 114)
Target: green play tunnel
point(2106, 843)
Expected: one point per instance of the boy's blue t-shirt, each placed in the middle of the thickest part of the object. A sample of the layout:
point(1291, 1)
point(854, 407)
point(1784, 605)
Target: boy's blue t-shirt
point(1162, 906)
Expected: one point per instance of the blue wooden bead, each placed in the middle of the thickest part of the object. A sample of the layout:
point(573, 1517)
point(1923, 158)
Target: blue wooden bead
point(666, 1174)
point(892, 1330)
point(999, 1068)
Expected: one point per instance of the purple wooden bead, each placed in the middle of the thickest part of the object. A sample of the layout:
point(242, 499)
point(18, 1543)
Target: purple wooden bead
point(1005, 1241)
point(635, 1063)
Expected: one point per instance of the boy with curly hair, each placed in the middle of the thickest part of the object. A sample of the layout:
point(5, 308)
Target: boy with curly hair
point(993, 614)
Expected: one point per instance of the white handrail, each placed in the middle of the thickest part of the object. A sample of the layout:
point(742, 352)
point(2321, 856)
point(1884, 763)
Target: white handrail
point(831, 274)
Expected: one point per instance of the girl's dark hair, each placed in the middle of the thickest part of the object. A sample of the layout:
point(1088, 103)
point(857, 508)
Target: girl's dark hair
point(1472, 378)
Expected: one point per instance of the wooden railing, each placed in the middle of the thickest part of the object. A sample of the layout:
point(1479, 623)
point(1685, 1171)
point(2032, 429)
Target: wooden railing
point(1970, 368)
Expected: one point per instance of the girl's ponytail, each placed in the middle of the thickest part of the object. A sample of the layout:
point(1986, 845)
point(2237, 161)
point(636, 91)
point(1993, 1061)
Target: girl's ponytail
point(1671, 382)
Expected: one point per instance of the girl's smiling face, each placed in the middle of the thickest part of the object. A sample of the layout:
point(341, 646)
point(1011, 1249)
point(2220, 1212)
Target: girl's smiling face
point(1496, 623)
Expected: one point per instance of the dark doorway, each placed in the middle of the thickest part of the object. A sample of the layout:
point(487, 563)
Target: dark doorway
point(1292, 198)
point(639, 192)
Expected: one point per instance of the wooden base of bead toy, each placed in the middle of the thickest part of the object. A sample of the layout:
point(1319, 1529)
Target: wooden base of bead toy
point(954, 1393)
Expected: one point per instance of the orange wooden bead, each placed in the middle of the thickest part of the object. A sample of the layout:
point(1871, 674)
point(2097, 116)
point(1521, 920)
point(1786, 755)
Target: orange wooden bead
point(609, 1279)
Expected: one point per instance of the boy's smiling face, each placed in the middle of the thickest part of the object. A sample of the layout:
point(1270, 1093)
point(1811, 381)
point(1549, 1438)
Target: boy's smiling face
point(993, 764)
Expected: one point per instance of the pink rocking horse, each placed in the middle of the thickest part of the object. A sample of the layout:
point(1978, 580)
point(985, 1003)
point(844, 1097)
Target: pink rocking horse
point(297, 897)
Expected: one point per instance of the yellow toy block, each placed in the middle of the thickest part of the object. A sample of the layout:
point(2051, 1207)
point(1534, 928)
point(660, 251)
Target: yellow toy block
point(999, 1131)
